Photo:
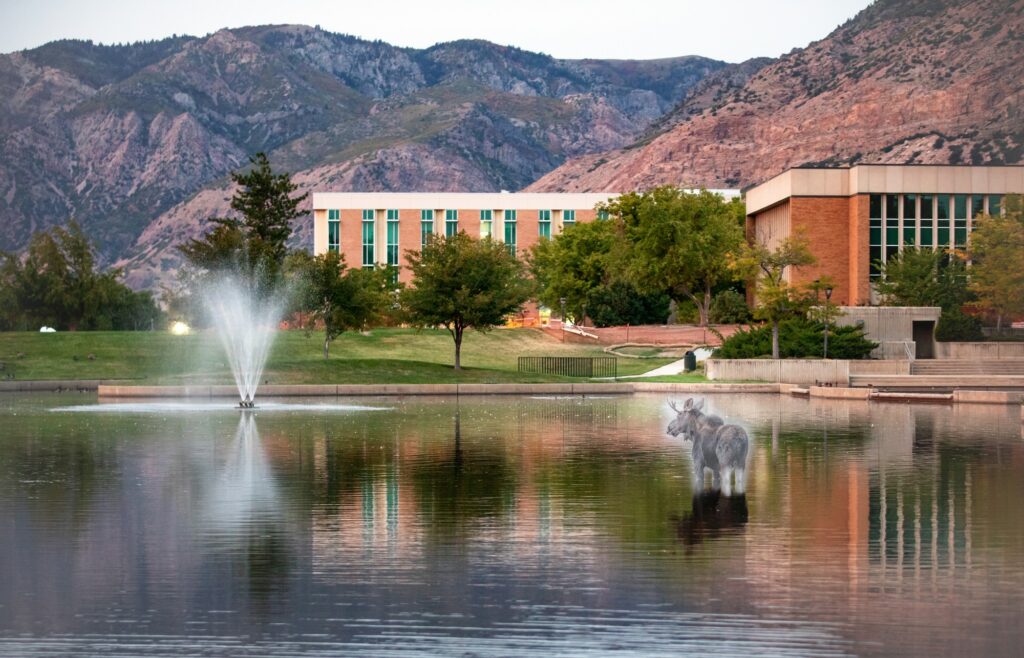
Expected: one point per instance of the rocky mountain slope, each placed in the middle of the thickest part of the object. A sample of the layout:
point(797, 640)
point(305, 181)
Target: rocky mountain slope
point(136, 141)
point(905, 81)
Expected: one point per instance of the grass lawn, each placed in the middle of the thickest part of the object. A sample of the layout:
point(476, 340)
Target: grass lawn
point(386, 356)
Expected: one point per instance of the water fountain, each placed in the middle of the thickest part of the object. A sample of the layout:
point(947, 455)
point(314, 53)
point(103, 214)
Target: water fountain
point(246, 323)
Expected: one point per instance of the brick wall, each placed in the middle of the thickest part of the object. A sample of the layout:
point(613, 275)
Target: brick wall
point(825, 222)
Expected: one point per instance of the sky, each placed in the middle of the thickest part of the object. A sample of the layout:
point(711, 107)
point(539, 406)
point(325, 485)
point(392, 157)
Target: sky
point(730, 30)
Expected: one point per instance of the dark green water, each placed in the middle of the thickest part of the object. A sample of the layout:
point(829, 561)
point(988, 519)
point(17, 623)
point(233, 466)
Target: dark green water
point(507, 526)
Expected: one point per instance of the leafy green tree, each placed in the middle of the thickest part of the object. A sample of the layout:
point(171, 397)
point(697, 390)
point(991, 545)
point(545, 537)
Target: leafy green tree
point(923, 277)
point(997, 261)
point(58, 283)
point(340, 298)
point(256, 244)
point(777, 300)
point(573, 266)
point(619, 303)
point(677, 241)
point(729, 307)
point(460, 283)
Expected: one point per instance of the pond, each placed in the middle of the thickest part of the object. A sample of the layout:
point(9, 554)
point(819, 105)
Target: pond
point(506, 526)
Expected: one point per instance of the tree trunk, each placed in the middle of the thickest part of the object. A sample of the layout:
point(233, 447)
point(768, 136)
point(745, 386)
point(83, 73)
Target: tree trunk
point(327, 346)
point(705, 307)
point(458, 348)
point(999, 324)
point(775, 339)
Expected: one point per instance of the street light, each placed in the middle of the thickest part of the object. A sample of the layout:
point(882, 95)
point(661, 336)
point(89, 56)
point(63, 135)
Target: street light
point(561, 300)
point(828, 297)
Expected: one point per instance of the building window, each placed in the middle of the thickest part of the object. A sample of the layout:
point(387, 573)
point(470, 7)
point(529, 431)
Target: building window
point(568, 217)
point(977, 205)
point(942, 212)
point(368, 229)
point(909, 220)
point(392, 238)
point(451, 222)
point(927, 221)
point(486, 223)
point(892, 224)
point(426, 226)
point(334, 230)
point(960, 206)
point(602, 215)
point(995, 202)
point(875, 206)
point(510, 232)
point(544, 227)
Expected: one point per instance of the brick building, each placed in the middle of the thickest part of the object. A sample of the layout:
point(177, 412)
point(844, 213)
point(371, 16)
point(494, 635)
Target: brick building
point(377, 228)
point(857, 217)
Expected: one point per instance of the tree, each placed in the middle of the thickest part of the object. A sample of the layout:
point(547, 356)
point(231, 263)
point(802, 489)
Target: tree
point(256, 244)
point(997, 261)
point(678, 241)
point(924, 277)
point(460, 282)
point(340, 298)
point(573, 266)
point(58, 283)
point(776, 298)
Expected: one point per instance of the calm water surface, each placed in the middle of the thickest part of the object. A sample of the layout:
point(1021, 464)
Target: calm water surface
point(506, 527)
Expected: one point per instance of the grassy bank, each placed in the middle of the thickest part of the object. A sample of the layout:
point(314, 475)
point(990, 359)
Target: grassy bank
point(385, 356)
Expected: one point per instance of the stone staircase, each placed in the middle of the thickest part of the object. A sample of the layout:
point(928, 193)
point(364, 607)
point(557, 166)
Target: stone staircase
point(959, 367)
point(943, 375)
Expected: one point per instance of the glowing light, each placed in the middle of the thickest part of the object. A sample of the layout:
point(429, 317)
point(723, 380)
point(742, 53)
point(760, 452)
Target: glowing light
point(179, 328)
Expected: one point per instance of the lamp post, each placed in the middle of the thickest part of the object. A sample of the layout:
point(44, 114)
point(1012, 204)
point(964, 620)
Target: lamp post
point(828, 297)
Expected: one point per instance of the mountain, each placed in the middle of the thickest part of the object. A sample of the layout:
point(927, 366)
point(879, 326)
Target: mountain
point(135, 141)
point(904, 81)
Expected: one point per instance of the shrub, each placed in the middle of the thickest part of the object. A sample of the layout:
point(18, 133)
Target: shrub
point(729, 307)
point(956, 325)
point(798, 338)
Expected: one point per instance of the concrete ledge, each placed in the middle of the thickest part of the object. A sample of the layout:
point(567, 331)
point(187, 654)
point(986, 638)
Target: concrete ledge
point(696, 387)
point(55, 385)
point(987, 397)
point(898, 396)
point(839, 393)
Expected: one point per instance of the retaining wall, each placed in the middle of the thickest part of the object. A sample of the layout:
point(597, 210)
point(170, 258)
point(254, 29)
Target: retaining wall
point(790, 371)
point(874, 367)
point(993, 350)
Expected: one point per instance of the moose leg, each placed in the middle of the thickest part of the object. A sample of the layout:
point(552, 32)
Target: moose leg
point(698, 476)
point(726, 481)
point(741, 481)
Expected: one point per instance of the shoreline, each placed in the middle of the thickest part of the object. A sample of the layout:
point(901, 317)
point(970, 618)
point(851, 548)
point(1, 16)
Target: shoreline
point(120, 389)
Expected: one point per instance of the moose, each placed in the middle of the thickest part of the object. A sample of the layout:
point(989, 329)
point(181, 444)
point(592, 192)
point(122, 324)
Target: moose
point(717, 447)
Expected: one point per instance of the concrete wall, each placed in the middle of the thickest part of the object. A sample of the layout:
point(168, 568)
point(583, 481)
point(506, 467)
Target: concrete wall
point(790, 371)
point(995, 350)
point(874, 367)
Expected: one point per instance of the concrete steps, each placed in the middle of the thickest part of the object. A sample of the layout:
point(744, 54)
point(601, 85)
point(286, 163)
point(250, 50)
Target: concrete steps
point(959, 367)
point(937, 382)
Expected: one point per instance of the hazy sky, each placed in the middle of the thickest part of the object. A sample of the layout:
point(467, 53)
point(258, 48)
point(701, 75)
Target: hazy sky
point(732, 30)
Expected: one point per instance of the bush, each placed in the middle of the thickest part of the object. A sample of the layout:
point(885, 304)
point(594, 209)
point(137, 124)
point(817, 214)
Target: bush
point(956, 325)
point(798, 338)
point(729, 307)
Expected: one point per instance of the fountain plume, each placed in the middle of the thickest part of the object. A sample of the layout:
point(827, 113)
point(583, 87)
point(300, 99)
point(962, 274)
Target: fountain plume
point(246, 323)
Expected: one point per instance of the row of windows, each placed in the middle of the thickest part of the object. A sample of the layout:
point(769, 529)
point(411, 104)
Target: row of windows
point(451, 226)
point(933, 221)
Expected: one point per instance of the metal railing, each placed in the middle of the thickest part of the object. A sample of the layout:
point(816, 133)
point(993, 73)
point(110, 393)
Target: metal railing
point(570, 366)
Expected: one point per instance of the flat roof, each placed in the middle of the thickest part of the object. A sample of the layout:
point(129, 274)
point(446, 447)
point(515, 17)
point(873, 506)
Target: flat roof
point(885, 178)
point(467, 200)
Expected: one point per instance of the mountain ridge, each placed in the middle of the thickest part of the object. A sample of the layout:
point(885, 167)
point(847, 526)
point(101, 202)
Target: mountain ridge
point(904, 81)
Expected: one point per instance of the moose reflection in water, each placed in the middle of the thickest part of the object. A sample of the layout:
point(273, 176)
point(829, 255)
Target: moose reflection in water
point(717, 447)
point(712, 516)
